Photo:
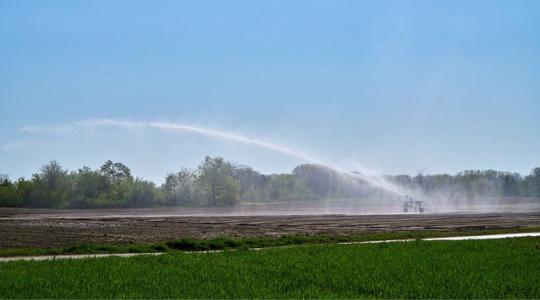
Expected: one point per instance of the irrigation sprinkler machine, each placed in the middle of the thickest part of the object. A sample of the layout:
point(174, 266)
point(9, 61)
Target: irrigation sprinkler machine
point(411, 205)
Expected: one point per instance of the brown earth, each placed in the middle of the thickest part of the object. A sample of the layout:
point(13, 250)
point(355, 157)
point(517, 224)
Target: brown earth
point(49, 228)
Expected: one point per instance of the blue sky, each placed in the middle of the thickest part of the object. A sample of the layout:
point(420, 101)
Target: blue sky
point(385, 86)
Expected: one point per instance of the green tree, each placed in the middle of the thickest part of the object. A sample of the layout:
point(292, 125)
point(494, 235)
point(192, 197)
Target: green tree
point(8, 193)
point(88, 186)
point(116, 171)
point(119, 185)
point(215, 183)
point(25, 192)
point(144, 194)
point(52, 186)
point(179, 188)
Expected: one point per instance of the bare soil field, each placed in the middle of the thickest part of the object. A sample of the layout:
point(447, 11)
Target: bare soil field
point(51, 228)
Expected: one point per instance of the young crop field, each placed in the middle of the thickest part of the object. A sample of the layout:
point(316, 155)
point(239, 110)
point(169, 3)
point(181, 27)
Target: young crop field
point(508, 268)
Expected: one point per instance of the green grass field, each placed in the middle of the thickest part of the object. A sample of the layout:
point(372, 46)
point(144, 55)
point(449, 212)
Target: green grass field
point(461, 269)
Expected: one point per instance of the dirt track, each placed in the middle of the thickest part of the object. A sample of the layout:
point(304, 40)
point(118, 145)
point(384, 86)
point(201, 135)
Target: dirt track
point(41, 228)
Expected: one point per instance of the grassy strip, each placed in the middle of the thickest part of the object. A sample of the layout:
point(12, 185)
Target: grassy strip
point(190, 244)
point(86, 249)
point(228, 243)
point(508, 268)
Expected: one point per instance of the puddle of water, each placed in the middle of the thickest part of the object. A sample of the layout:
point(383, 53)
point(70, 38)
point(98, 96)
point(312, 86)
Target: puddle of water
point(455, 238)
point(484, 237)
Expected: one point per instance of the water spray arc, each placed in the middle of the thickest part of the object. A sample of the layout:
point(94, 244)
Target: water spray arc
point(173, 127)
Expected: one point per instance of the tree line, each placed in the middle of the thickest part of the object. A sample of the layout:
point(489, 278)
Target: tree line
point(472, 184)
point(113, 186)
point(217, 182)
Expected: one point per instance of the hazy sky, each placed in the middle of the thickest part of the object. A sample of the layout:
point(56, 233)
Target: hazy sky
point(392, 86)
